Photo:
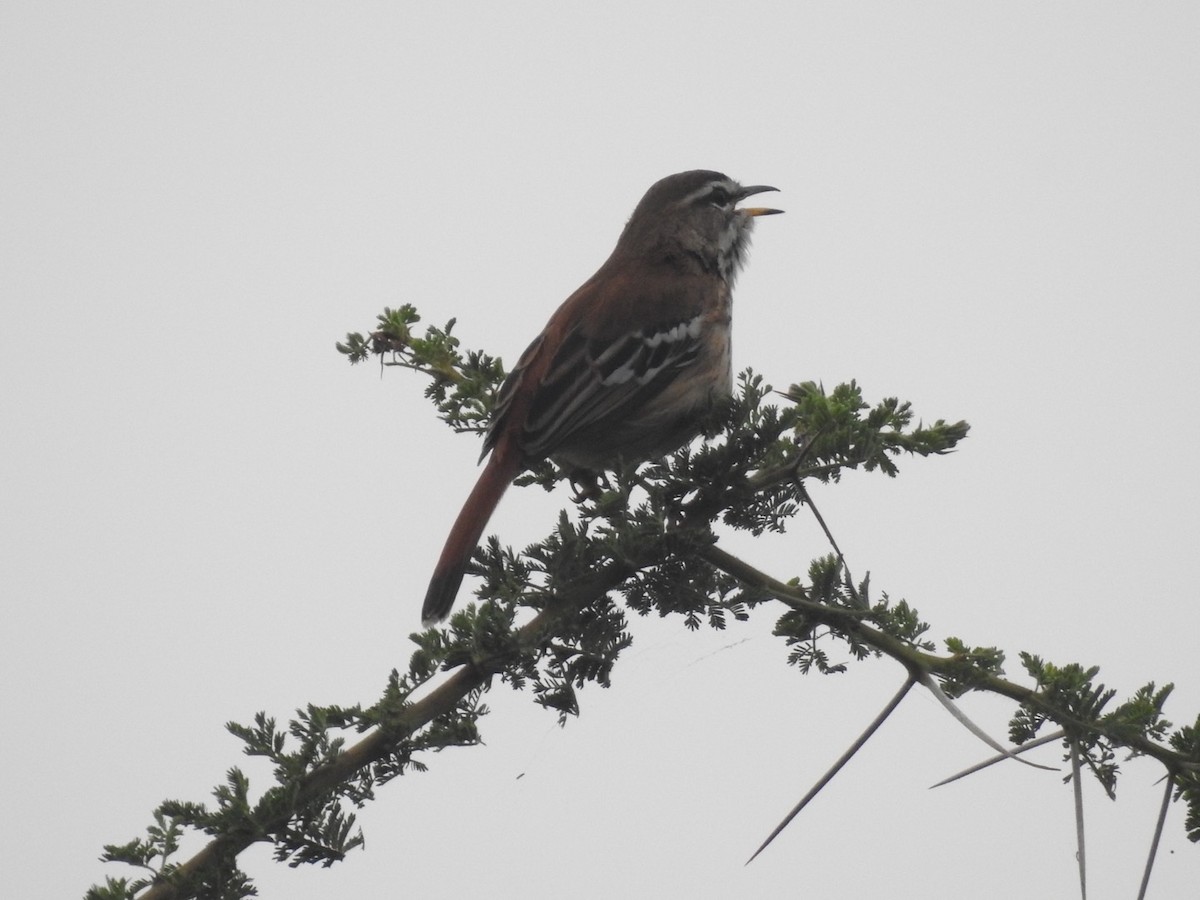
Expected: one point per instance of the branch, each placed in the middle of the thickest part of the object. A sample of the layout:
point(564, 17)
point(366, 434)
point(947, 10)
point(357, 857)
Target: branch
point(652, 536)
point(948, 668)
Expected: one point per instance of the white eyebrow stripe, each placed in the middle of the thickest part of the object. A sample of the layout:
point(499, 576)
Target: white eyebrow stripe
point(728, 184)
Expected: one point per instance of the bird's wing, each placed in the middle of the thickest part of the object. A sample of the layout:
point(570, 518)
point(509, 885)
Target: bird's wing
point(609, 350)
point(596, 380)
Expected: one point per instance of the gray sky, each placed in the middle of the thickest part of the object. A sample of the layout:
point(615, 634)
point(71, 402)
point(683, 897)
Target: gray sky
point(992, 210)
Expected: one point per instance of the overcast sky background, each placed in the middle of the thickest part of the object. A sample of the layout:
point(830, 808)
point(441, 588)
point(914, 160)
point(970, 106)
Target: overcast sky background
point(993, 210)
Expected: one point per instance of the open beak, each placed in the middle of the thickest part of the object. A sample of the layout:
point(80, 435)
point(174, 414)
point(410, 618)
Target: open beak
point(757, 210)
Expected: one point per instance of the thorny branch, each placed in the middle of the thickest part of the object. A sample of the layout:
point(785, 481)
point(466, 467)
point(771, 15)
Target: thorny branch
point(651, 536)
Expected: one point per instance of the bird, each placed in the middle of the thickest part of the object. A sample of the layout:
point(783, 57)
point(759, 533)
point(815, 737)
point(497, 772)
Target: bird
point(628, 365)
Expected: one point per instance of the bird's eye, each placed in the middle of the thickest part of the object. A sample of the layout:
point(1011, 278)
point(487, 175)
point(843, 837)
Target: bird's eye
point(719, 197)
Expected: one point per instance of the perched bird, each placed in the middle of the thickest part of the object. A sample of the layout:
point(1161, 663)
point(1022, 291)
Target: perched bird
point(626, 368)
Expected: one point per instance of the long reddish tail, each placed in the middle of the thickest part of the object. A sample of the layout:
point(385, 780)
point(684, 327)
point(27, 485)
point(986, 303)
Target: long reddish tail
point(497, 475)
